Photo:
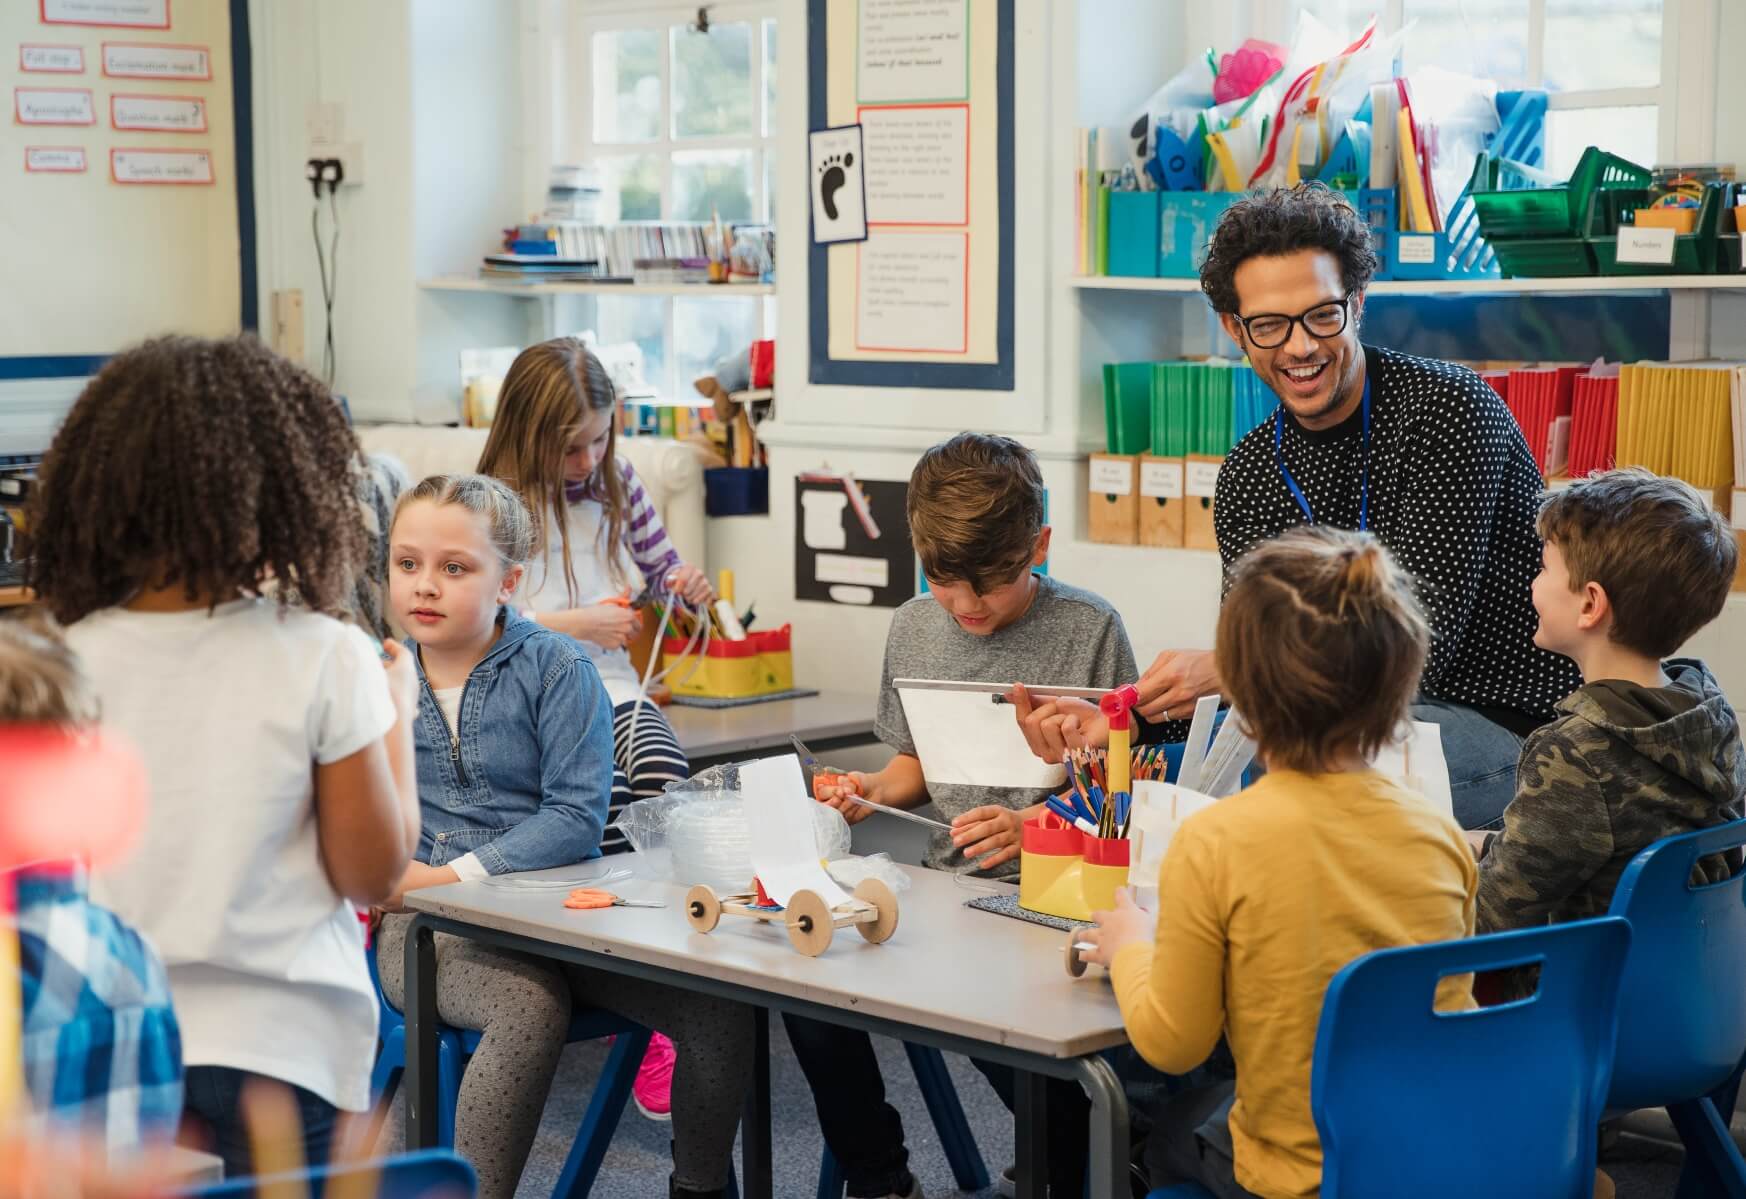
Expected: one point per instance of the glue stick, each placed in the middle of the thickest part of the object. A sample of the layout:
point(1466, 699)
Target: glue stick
point(1115, 706)
point(725, 615)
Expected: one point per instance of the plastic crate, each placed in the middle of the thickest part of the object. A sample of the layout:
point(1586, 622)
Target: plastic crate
point(1694, 253)
point(1460, 252)
point(1542, 257)
point(1522, 201)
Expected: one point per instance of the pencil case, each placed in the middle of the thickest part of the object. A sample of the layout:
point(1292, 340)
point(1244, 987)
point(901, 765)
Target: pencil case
point(1063, 872)
point(761, 664)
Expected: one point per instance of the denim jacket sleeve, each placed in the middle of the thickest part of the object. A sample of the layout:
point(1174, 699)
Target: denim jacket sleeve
point(575, 741)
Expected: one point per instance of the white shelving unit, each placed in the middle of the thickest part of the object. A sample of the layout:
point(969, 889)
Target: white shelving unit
point(537, 291)
point(1434, 287)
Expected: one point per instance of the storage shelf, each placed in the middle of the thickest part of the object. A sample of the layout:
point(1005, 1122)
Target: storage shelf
point(534, 291)
point(1431, 287)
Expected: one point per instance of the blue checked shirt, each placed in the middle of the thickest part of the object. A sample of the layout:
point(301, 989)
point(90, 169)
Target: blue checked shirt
point(102, 1051)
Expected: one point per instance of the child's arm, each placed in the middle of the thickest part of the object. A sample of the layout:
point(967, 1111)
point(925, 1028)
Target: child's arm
point(1557, 835)
point(610, 626)
point(645, 536)
point(366, 803)
point(575, 746)
point(899, 785)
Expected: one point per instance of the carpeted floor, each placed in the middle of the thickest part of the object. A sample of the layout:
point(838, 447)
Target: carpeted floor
point(638, 1163)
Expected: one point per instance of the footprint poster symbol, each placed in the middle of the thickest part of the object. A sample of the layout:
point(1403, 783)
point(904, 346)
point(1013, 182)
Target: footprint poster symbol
point(831, 177)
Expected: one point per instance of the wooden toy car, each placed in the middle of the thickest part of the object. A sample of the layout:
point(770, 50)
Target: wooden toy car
point(872, 910)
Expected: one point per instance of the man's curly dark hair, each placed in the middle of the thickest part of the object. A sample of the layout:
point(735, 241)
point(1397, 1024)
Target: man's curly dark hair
point(1284, 221)
point(213, 465)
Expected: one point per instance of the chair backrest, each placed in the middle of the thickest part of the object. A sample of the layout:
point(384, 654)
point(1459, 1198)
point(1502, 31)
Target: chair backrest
point(1502, 1100)
point(428, 1174)
point(1682, 1006)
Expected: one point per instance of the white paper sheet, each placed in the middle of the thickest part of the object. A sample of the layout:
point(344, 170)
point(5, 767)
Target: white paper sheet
point(1158, 810)
point(910, 52)
point(1194, 749)
point(1416, 762)
point(918, 164)
point(964, 737)
point(912, 292)
point(779, 830)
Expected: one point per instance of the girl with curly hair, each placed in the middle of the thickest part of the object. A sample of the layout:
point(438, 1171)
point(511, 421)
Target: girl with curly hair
point(196, 524)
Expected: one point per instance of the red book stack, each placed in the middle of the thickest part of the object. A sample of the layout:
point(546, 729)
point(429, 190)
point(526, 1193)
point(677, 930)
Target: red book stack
point(1500, 382)
point(1539, 398)
point(1594, 424)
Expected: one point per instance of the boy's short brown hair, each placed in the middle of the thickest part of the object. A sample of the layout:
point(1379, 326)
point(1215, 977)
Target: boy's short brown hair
point(1320, 646)
point(40, 678)
point(1664, 557)
point(976, 510)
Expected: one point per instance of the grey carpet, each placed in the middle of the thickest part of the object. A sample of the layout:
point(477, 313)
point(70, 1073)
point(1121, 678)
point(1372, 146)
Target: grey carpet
point(636, 1167)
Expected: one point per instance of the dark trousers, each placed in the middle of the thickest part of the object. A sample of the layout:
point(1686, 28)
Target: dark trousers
point(1191, 1141)
point(865, 1133)
point(212, 1119)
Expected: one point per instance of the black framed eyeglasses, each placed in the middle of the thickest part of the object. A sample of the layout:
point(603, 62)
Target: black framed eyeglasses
point(1270, 330)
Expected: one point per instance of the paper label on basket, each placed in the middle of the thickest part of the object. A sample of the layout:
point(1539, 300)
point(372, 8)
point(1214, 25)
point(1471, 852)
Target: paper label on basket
point(1418, 250)
point(1416, 762)
point(1203, 479)
point(1112, 476)
point(779, 830)
point(964, 738)
point(1161, 480)
point(1651, 246)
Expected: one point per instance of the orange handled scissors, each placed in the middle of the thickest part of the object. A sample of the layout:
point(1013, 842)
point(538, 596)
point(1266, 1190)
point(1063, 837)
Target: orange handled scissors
point(588, 898)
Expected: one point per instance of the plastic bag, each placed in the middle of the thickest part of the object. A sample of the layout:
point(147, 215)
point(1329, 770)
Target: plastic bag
point(696, 831)
point(850, 871)
point(1322, 92)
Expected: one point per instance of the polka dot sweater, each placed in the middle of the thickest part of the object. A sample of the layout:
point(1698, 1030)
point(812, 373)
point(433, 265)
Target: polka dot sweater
point(1453, 495)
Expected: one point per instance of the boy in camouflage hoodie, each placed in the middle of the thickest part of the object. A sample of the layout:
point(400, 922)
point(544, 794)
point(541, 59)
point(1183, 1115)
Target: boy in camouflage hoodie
point(1633, 565)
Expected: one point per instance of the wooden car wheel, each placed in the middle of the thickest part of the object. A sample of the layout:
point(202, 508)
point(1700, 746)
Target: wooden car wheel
point(884, 902)
point(810, 923)
point(702, 908)
point(1076, 965)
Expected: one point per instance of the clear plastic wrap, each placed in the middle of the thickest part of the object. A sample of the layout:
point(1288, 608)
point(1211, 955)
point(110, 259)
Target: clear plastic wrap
point(850, 871)
point(696, 832)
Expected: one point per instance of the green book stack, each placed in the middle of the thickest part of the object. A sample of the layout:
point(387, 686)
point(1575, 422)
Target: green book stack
point(1191, 409)
point(1170, 408)
point(1213, 428)
point(1127, 406)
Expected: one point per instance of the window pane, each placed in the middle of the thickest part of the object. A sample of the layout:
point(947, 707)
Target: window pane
point(710, 183)
point(769, 79)
point(1486, 38)
point(630, 187)
point(627, 86)
point(1631, 133)
point(712, 81)
point(1593, 44)
point(706, 331)
point(643, 320)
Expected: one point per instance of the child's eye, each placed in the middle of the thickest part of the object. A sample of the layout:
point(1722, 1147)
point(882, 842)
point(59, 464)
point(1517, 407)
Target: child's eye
point(404, 564)
point(454, 568)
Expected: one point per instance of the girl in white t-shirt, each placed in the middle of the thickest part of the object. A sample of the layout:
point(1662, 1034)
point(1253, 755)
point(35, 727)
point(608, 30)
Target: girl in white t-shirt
point(188, 475)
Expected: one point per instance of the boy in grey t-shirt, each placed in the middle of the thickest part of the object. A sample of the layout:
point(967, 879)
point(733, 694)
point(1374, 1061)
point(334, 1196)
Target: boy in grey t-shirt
point(976, 517)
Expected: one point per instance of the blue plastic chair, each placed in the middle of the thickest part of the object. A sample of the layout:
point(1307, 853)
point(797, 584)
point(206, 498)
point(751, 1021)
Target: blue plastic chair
point(1682, 1008)
point(956, 1139)
point(456, 1045)
point(430, 1174)
point(1411, 1101)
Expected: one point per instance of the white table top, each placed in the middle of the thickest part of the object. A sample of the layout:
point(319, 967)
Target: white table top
point(714, 732)
point(950, 968)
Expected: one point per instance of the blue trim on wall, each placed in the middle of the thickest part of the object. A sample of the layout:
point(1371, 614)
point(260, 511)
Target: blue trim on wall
point(993, 376)
point(57, 366)
point(242, 117)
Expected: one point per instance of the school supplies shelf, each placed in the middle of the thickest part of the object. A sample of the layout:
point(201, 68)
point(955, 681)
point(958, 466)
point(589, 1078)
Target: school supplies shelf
point(1431, 287)
point(540, 289)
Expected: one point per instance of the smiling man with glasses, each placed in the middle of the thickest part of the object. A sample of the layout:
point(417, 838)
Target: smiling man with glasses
point(1421, 453)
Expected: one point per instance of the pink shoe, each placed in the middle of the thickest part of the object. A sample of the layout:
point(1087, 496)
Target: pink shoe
point(653, 1089)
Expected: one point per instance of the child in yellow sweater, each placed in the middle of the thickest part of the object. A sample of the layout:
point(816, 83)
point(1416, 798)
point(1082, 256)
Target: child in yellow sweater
point(1264, 896)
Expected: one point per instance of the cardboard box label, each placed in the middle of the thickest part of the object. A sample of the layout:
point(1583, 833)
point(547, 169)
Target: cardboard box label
point(1112, 476)
point(1203, 478)
point(1654, 246)
point(1161, 480)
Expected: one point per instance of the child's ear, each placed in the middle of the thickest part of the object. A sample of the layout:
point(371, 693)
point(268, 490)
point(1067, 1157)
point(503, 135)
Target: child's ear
point(1596, 607)
point(1042, 551)
point(511, 580)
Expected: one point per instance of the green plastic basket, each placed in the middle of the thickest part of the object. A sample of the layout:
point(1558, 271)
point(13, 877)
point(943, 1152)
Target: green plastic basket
point(1542, 257)
point(1694, 253)
point(1521, 201)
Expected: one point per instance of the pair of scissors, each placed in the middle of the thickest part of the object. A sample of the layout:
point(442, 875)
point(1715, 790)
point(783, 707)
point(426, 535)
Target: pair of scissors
point(818, 775)
point(588, 898)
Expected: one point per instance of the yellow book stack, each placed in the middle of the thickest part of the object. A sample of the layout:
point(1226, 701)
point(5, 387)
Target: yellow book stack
point(1675, 419)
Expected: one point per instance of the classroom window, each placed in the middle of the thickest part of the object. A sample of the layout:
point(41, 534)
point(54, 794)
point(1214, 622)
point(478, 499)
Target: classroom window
point(1601, 60)
point(682, 124)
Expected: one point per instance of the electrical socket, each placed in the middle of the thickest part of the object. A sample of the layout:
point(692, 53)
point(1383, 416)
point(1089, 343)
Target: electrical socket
point(349, 154)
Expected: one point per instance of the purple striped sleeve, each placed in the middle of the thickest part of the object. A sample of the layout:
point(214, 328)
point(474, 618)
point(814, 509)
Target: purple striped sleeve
point(644, 534)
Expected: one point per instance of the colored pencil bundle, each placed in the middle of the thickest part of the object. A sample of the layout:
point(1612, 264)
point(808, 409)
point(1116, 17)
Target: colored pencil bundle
point(1086, 804)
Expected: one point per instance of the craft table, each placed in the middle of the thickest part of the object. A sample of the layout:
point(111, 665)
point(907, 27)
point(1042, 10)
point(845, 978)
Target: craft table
point(961, 980)
point(827, 721)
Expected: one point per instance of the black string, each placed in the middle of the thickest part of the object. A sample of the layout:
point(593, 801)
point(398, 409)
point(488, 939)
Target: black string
point(328, 262)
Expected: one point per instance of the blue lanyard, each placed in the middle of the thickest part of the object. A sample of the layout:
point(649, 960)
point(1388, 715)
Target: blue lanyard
point(1291, 483)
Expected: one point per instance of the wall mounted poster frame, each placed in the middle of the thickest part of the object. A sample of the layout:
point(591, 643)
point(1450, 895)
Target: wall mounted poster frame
point(832, 77)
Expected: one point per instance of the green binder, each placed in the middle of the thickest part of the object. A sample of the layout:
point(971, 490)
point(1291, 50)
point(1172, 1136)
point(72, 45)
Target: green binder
point(1127, 406)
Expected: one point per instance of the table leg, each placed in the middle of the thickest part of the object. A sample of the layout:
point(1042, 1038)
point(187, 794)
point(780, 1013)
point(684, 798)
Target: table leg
point(755, 1150)
point(1031, 1134)
point(1109, 1128)
point(420, 1083)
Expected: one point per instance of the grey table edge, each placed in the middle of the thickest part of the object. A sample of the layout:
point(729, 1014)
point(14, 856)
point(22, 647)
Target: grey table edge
point(1108, 1166)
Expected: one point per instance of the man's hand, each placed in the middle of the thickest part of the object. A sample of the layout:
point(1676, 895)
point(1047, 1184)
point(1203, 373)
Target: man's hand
point(1129, 924)
point(1174, 681)
point(1053, 727)
point(989, 835)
